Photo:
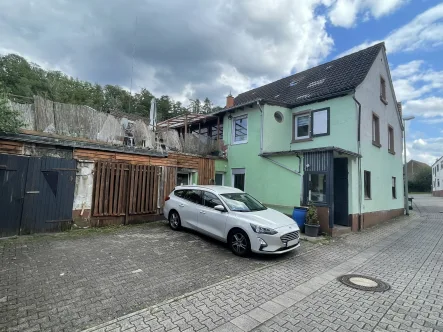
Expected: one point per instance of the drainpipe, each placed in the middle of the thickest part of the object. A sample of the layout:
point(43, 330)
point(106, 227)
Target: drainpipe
point(261, 127)
point(359, 161)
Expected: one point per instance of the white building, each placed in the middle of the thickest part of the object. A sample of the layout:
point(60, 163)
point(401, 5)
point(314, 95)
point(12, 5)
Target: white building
point(437, 178)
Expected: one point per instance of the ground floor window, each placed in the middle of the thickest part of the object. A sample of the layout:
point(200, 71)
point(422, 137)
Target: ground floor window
point(219, 179)
point(238, 178)
point(183, 179)
point(317, 188)
point(367, 185)
point(394, 188)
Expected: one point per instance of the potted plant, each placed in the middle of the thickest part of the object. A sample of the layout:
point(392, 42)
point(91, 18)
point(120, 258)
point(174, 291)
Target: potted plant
point(312, 224)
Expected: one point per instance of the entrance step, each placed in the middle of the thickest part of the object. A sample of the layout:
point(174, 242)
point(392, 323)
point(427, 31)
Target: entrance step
point(338, 230)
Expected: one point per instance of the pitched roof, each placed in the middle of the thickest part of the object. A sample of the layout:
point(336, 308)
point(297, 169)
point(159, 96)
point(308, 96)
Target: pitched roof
point(329, 79)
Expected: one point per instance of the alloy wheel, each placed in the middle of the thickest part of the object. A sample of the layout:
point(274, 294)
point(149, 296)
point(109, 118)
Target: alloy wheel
point(174, 220)
point(239, 243)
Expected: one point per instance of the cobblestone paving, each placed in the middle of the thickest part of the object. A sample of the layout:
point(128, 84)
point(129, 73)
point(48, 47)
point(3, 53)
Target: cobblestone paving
point(272, 298)
point(296, 293)
point(71, 280)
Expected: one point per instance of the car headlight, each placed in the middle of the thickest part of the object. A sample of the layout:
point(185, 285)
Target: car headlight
point(263, 230)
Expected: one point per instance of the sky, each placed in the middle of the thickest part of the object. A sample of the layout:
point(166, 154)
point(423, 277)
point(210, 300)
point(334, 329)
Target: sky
point(208, 48)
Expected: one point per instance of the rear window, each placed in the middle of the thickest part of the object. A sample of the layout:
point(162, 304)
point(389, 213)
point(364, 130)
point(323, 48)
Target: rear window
point(193, 196)
point(179, 193)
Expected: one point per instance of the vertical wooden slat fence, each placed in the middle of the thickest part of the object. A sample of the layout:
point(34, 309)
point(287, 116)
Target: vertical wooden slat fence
point(206, 171)
point(110, 189)
point(144, 190)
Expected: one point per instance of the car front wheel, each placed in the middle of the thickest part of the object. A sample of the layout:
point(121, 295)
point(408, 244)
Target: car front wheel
point(174, 220)
point(239, 243)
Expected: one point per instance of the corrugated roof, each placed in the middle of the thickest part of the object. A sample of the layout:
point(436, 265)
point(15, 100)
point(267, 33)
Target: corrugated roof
point(331, 78)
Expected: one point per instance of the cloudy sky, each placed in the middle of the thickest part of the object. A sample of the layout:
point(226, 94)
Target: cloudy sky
point(198, 48)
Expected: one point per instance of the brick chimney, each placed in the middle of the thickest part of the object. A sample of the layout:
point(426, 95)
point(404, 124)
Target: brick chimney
point(400, 108)
point(229, 101)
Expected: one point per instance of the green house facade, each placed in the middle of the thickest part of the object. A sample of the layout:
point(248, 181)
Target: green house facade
point(331, 135)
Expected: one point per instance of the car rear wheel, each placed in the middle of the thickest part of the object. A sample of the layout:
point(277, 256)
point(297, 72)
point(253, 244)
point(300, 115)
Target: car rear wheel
point(239, 243)
point(174, 220)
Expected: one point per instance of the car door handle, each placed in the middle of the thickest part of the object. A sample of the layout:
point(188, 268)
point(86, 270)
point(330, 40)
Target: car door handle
point(181, 205)
point(203, 212)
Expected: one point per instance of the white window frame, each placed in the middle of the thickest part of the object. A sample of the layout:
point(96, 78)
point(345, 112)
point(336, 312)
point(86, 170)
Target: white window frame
point(245, 116)
point(223, 177)
point(296, 127)
point(236, 171)
point(189, 174)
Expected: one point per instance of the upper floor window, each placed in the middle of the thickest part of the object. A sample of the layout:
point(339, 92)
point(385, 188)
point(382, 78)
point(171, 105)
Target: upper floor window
point(383, 90)
point(391, 139)
point(301, 126)
point(240, 129)
point(311, 124)
point(375, 130)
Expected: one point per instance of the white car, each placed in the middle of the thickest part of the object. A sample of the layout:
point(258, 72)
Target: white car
point(232, 216)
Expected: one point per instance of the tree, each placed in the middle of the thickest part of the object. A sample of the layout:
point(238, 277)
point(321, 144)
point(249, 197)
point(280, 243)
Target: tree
point(207, 106)
point(422, 181)
point(10, 120)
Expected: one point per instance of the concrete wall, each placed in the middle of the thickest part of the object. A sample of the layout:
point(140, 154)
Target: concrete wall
point(437, 178)
point(382, 164)
point(84, 184)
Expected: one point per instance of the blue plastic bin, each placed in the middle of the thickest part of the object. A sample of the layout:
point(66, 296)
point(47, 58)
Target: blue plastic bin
point(299, 215)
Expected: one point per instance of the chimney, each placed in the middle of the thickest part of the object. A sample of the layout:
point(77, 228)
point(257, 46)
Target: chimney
point(229, 101)
point(400, 110)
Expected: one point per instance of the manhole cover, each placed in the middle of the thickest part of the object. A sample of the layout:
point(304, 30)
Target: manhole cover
point(364, 283)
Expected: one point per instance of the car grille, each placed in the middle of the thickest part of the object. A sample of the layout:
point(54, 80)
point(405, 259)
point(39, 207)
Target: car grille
point(290, 236)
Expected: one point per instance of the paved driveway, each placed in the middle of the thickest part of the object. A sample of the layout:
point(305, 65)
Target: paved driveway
point(303, 294)
point(72, 280)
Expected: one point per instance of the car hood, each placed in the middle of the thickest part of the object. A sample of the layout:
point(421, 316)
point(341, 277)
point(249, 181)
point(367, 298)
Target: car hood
point(266, 218)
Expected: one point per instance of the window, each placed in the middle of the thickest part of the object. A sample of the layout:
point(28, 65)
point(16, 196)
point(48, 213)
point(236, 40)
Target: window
point(219, 179)
point(317, 188)
point(383, 90)
point(210, 200)
point(179, 193)
point(242, 202)
point(183, 179)
point(367, 185)
point(238, 178)
point(240, 129)
point(438, 183)
point(391, 139)
point(320, 122)
point(394, 188)
point(301, 126)
point(375, 130)
point(278, 116)
point(193, 196)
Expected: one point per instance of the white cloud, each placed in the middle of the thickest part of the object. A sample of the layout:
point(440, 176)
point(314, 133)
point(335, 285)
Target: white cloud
point(413, 80)
point(344, 13)
point(203, 50)
point(425, 150)
point(426, 107)
point(425, 31)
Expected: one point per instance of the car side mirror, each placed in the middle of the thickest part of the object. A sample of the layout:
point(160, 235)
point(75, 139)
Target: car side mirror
point(220, 208)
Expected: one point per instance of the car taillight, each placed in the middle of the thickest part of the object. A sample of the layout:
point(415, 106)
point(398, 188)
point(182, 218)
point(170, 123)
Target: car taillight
point(167, 198)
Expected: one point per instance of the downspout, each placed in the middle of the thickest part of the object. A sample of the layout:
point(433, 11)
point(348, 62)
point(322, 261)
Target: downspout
point(261, 147)
point(359, 161)
point(261, 127)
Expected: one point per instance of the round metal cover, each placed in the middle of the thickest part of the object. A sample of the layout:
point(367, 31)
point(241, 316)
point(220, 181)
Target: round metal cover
point(364, 283)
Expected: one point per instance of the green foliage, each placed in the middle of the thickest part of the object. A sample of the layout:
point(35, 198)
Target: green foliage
point(422, 181)
point(9, 119)
point(311, 215)
point(22, 78)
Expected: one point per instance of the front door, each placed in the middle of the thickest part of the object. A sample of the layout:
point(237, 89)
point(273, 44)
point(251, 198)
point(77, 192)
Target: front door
point(341, 191)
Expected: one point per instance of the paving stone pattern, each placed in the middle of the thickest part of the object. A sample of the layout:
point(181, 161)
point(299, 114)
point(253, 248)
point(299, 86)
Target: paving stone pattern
point(70, 281)
point(272, 299)
point(297, 293)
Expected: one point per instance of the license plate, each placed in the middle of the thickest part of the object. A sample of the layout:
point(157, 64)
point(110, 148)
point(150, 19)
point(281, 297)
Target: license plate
point(291, 243)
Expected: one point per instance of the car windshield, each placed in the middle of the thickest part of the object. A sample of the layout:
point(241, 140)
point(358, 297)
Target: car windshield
point(242, 202)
